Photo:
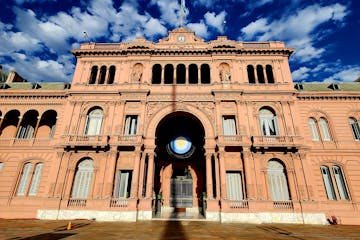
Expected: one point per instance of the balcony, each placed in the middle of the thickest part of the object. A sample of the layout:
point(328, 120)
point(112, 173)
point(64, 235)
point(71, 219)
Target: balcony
point(276, 141)
point(125, 140)
point(84, 140)
point(233, 140)
point(25, 142)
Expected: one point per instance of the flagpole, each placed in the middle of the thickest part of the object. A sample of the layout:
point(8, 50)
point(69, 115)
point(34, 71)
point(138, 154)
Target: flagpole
point(181, 13)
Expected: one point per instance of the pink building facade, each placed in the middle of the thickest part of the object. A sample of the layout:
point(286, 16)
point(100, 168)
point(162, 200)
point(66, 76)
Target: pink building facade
point(215, 130)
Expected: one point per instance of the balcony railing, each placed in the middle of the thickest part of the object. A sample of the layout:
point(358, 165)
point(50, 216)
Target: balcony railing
point(285, 205)
point(76, 202)
point(233, 140)
point(118, 203)
point(276, 141)
point(85, 140)
point(23, 142)
point(238, 204)
point(125, 140)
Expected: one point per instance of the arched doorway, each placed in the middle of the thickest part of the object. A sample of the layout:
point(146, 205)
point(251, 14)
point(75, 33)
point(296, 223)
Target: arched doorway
point(179, 165)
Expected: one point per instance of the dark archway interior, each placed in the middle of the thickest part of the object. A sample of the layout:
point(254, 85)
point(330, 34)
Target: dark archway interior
point(176, 124)
point(180, 124)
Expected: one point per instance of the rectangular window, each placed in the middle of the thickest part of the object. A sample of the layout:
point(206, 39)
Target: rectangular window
point(123, 188)
point(229, 125)
point(234, 185)
point(131, 124)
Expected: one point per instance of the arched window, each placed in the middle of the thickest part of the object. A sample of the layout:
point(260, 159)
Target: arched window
point(269, 74)
point(193, 74)
point(102, 75)
point(338, 176)
point(268, 122)
point(205, 73)
point(93, 122)
point(111, 77)
point(156, 74)
point(324, 129)
point(251, 74)
point(355, 128)
point(180, 74)
point(47, 124)
point(28, 124)
point(313, 129)
point(169, 74)
point(93, 75)
point(260, 73)
point(277, 180)
point(83, 179)
point(9, 124)
point(26, 177)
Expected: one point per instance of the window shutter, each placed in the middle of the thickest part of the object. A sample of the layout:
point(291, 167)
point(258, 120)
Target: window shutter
point(340, 183)
point(24, 179)
point(35, 182)
point(329, 187)
point(234, 186)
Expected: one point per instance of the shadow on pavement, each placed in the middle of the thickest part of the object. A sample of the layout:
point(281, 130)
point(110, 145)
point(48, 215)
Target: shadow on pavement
point(279, 231)
point(173, 230)
point(46, 236)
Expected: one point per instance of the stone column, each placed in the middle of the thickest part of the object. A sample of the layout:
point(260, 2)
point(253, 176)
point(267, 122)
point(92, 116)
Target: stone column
point(18, 126)
point(250, 175)
point(222, 174)
point(141, 175)
point(150, 176)
point(209, 183)
point(187, 73)
point(70, 174)
point(110, 175)
point(135, 182)
point(36, 127)
point(162, 75)
point(265, 76)
point(199, 75)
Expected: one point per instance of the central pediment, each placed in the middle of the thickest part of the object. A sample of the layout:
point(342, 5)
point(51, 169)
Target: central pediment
point(181, 36)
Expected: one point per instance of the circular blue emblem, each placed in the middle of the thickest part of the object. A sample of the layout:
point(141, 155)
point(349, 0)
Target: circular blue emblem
point(180, 145)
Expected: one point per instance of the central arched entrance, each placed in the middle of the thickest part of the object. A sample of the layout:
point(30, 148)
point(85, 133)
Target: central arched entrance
point(179, 181)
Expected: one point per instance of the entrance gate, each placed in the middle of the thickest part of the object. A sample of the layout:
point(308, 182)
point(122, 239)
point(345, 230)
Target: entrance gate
point(181, 192)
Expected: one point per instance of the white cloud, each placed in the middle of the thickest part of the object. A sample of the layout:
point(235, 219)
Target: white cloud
point(297, 29)
point(258, 3)
point(199, 28)
point(169, 10)
point(215, 21)
point(13, 41)
point(349, 74)
point(301, 74)
point(36, 69)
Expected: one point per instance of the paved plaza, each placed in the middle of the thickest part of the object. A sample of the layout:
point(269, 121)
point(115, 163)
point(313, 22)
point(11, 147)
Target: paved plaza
point(83, 229)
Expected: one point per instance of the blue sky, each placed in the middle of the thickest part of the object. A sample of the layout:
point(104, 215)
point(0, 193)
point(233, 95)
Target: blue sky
point(36, 36)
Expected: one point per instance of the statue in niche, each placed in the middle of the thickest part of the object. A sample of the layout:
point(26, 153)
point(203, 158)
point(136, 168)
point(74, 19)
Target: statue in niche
point(137, 72)
point(224, 72)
